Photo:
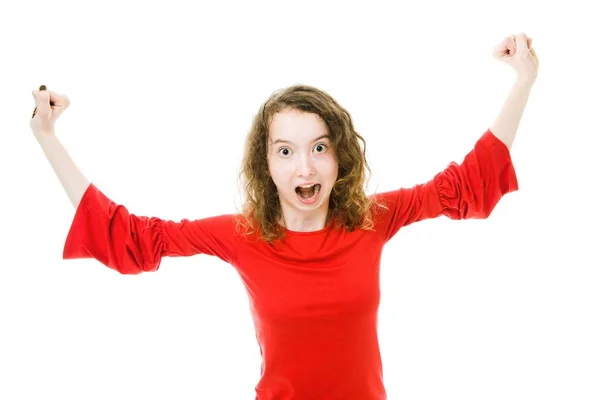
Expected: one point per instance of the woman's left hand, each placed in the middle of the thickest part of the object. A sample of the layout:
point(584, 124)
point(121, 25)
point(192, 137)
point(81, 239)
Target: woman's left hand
point(516, 51)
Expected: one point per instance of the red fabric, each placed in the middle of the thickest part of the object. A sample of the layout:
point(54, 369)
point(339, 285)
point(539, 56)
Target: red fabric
point(314, 296)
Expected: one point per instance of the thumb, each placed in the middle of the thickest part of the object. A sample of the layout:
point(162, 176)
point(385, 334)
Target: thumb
point(42, 101)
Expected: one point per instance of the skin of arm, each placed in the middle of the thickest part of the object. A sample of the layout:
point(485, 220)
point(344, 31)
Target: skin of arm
point(518, 53)
point(72, 179)
point(506, 124)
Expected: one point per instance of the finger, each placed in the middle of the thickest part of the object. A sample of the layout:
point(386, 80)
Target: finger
point(38, 101)
point(37, 92)
point(534, 55)
point(505, 48)
point(54, 98)
point(521, 41)
point(58, 99)
point(499, 50)
point(502, 49)
point(512, 44)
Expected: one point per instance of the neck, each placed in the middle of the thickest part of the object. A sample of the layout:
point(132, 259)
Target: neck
point(306, 223)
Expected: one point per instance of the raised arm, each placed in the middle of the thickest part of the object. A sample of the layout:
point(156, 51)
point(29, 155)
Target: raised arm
point(42, 124)
point(473, 188)
point(507, 122)
point(107, 231)
point(517, 52)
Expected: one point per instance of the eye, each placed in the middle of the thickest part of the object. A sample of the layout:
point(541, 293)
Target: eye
point(321, 148)
point(284, 151)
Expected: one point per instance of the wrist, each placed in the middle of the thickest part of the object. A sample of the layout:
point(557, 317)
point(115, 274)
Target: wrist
point(525, 81)
point(43, 136)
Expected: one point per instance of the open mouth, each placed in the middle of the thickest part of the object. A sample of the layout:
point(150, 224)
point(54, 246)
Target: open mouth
point(308, 193)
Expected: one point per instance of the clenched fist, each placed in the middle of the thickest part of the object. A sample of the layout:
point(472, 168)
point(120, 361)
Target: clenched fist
point(49, 106)
point(516, 51)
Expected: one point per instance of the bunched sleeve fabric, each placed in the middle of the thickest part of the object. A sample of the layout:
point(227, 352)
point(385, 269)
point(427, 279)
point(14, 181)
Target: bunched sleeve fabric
point(132, 244)
point(469, 190)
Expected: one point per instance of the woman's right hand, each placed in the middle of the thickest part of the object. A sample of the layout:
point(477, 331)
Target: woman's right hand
point(516, 51)
point(50, 106)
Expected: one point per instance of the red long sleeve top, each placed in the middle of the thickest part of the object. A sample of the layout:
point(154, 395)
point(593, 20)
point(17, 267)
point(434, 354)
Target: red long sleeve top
point(314, 296)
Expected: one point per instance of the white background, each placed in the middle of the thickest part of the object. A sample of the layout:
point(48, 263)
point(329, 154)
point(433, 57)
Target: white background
point(162, 96)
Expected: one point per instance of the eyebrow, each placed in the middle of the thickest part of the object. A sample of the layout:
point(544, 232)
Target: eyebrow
point(287, 141)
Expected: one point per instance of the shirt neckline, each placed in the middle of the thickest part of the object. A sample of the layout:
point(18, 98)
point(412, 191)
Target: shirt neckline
point(308, 233)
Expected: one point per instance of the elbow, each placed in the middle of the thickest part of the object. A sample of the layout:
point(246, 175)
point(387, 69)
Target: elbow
point(127, 271)
point(133, 258)
point(481, 211)
point(132, 267)
point(125, 265)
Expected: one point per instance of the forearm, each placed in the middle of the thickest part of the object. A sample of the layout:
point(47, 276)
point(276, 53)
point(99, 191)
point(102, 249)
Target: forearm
point(506, 124)
point(71, 178)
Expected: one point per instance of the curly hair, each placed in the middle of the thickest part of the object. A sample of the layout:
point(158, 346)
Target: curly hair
point(349, 205)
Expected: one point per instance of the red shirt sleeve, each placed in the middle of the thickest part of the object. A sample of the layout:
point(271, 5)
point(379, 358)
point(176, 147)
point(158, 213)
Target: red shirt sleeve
point(469, 190)
point(131, 244)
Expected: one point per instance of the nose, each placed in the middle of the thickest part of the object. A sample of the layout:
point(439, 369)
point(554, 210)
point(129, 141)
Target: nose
point(305, 166)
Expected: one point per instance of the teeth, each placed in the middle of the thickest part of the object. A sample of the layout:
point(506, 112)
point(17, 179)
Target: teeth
point(306, 186)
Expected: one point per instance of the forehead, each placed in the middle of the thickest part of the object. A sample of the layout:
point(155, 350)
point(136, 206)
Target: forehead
point(296, 126)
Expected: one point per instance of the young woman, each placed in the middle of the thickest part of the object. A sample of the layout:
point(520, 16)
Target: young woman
point(308, 241)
